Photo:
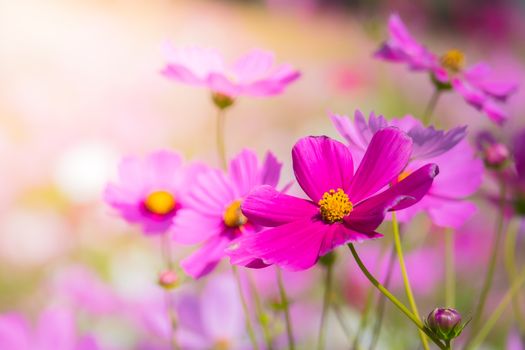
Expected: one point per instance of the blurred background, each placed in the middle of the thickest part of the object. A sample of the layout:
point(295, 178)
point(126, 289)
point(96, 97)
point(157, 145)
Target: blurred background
point(80, 87)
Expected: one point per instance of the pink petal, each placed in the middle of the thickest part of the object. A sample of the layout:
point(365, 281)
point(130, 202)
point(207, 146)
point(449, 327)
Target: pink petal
point(244, 172)
point(386, 157)
point(254, 65)
point(267, 207)
point(321, 164)
point(450, 213)
point(294, 246)
point(338, 234)
point(206, 258)
point(218, 82)
point(271, 170)
point(191, 227)
point(495, 112)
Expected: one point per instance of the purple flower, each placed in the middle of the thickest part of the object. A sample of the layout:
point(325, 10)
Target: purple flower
point(343, 206)
point(460, 172)
point(150, 191)
point(213, 214)
point(254, 74)
point(473, 83)
point(55, 330)
point(445, 323)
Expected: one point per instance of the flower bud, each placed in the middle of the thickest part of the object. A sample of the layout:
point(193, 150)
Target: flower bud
point(445, 323)
point(222, 101)
point(496, 155)
point(168, 279)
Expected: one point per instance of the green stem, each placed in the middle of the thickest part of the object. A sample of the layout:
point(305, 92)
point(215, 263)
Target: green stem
point(286, 304)
point(326, 306)
point(419, 324)
point(429, 109)
point(344, 327)
point(168, 297)
point(478, 315)
point(496, 314)
point(450, 272)
point(406, 280)
point(262, 317)
point(510, 266)
point(382, 302)
point(221, 147)
point(249, 326)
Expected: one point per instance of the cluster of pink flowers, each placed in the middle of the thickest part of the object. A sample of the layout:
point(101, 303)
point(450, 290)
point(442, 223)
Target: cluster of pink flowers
point(249, 215)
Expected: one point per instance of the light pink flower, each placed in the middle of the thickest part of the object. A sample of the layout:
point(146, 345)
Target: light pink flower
point(475, 83)
point(254, 74)
point(55, 330)
point(150, 191)
point(213, 216)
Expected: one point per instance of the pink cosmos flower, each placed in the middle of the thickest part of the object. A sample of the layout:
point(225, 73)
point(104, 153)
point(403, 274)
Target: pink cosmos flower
point(150, 191)
point(461, 173)
point(473, 83)
point(254, 74)
point(213, 210)
point(55, 330)
point(343, 206)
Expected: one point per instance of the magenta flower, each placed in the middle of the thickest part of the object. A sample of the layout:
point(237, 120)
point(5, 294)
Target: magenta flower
point(213, 213)
point(55, 330)
point(150, 191)
point(343, 206)
point(473, 83)
point(461, 173)
point(254, 74)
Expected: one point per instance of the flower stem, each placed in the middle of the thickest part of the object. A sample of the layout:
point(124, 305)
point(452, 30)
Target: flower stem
point(450, 272)
point(406, 280)
point(286, 304)
point(249, 327)
point(221, 147)
point(262, 317)
point(168, 296)
point(510, 266)
point(326, 305)
point(344, 327)
point(419, 324)
point(381, 303)
point(478, 315)
point(496, 314)
point(429, 109)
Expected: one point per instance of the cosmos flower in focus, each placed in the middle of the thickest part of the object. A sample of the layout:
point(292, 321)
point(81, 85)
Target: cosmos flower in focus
point(150, 191)
point(473, 83)
point(254, 74)
point(55, 330)
point(343, 206)
point(213, 214)
point(461, 173)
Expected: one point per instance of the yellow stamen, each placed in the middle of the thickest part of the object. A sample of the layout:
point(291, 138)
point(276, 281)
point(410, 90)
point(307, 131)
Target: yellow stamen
point(453, 60)
point(160, 202)
point(233, 216)
point(334, 206)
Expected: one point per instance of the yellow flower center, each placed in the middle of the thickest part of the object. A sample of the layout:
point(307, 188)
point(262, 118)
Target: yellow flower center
point(160, 202)
point(233, 216)
point(453, 60)
point(334, 206)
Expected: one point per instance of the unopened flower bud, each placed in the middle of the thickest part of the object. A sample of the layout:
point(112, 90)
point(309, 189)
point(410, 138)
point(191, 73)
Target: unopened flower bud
point(445, 323)
point(221, 100)
point(168, 279)
point(496, 155)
